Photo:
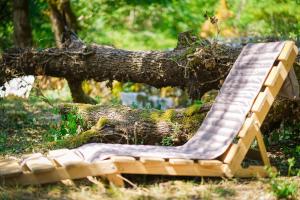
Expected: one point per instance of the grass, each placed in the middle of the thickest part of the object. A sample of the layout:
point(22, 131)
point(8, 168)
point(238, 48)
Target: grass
point(25, 125)
point(149, 188)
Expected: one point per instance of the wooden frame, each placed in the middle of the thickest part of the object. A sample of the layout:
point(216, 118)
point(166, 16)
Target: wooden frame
point(44, 169)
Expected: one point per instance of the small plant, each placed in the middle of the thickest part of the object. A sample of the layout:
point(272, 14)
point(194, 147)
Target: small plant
point(283, 189)
point(167, 141)
point(70, 124)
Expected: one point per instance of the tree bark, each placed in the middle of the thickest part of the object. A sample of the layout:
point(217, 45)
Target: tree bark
point(196, 66)
point(125, 125)
point(62, 18)
point(22, 28)
point(122, 124)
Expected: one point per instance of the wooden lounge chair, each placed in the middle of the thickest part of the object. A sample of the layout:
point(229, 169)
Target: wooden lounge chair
point(218, 148)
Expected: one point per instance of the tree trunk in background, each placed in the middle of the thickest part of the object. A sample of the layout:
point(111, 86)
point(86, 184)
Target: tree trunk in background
point(22, 28)
point(195, 66)
point(125, 125)
point(62, 16)
point(57, 22)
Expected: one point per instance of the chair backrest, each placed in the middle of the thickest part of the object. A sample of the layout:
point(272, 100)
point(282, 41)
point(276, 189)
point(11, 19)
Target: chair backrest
point(227, 115)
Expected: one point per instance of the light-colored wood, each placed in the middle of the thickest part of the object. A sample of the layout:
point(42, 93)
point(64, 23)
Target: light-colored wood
point(291, 59)
point(68, 159)
point(247, 124)
point(227, 171)
point(283, 70)
point(116, 179)
point(166, 168)
point(38, 164)
point(259, 102)
point(262, 147)
point(210, 162)
point(296, 50)
point(260, 116)
point(62, 173)
point(272, 77)
point(230, 153)
point(10, 168)
point(286, 51)
point(175, 161)
point(242, 149)
point(122, 159)
point(151, 160)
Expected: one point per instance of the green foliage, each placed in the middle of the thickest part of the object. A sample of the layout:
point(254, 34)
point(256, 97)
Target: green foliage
point(139, 24)
point(268, 17)
point(6, 26)
point(71, 123)
point(283, 189)
point(191, 110)
point(167, 141)
point(154, 24)
point(3, 140)
point(40, 22)
point(288, 137)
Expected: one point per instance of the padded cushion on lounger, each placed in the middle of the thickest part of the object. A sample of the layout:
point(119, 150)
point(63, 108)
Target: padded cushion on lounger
point(223, 121)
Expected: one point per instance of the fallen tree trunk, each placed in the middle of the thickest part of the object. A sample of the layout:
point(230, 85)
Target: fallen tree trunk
point(195, 65)
point(125, 125)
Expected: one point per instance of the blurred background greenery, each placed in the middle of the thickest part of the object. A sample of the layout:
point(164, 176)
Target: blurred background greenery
point(151, 25)
point(155, 24)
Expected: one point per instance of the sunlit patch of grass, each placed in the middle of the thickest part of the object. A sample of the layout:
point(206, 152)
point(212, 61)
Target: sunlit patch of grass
point(225, 192)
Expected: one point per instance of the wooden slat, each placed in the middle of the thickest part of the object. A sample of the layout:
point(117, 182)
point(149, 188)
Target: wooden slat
point(175, 161)
point(10, 168)
point(262, 147)
point(235, 158)
point(283, 70)
point(38, 164)
point(231, 153)
point(290, 60)
point(68, 159)
point(151, 160)
point(247, 124)
point(259, 102)
point(209, 162)
point(122, 159)
point(286, 51)
point(260, 116)
point(62, 173)
point(272, 77)
point(166, 168)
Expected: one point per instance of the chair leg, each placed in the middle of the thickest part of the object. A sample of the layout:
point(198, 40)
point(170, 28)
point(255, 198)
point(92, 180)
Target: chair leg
point(262, 147)
point(115, 179)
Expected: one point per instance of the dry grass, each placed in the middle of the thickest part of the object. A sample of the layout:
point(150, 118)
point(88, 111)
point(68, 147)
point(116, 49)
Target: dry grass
point(154, 189)
point(25, 124)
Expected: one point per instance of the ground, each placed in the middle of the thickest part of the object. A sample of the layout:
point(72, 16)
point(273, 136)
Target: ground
point(26, 125)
